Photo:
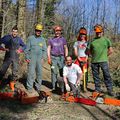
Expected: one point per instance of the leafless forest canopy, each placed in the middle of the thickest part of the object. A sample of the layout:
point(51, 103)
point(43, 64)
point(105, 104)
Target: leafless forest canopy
point(71, 14)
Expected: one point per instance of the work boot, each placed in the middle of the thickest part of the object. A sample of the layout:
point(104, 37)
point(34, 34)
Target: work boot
point(110, 93)
point(38, 91)
point(53, 89)
point(12, 85)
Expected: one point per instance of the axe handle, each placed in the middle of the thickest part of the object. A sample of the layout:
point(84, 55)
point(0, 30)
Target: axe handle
point(84, 78)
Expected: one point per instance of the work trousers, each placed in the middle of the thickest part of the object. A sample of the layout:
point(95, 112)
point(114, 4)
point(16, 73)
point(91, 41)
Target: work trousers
point(106, 74)
point(5, 66)
point(74, 89)
point(34, 69)
point(56, 68)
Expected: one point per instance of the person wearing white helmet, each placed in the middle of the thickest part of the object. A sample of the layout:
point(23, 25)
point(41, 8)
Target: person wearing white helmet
point(35, 53)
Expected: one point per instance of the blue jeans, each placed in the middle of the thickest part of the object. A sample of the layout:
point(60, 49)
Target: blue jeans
point(107, 78)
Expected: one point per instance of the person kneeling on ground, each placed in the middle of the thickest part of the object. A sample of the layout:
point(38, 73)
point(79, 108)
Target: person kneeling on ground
point(72, 74)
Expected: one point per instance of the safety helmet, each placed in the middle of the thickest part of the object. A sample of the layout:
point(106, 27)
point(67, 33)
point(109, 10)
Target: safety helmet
point(83, 31)
point(39, 27)
point(98, 28)
point(57, 28)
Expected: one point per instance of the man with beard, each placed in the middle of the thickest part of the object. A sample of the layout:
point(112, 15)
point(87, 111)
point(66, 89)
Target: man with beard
point(72, 74)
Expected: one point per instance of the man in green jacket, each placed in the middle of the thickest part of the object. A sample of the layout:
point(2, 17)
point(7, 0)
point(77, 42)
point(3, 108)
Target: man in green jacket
point(35, 53)
point(100, 48)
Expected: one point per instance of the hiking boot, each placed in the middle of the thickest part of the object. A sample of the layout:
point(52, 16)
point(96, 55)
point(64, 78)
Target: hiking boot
point(53, 89)
point(110, 93)
point(117, 95)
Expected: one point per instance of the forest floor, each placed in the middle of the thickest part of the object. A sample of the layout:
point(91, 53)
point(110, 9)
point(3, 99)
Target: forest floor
point(55, 109)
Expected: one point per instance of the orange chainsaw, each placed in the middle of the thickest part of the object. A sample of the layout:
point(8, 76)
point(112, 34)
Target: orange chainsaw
point(23, 97)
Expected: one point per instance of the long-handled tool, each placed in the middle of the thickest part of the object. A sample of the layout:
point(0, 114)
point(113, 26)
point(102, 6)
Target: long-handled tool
point(84, 66)
point(84, 78)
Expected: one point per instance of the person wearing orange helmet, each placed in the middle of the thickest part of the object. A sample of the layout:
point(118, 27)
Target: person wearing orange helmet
point(57, 50)
point(100, 48)
point(79, 48)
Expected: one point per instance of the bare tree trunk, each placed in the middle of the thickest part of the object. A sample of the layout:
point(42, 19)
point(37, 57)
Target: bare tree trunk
point(40, 9)
point(104, 13)
point(1, 17)
point(0, 5)
point(21, 18)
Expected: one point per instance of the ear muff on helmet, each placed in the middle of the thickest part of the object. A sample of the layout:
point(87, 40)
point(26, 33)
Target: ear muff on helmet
point(98, 28)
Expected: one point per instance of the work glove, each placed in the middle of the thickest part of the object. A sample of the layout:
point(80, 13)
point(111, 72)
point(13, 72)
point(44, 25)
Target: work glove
point(27, 61)
point(77, 83)
point(19, 51)
point(49, 61)
point(67, 87)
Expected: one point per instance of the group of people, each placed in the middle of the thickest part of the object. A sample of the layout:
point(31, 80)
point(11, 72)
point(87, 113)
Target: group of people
point(62, 65)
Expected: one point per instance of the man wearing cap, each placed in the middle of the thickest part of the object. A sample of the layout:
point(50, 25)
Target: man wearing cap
point(35, 53)
point(57, 50)
point(100, 48)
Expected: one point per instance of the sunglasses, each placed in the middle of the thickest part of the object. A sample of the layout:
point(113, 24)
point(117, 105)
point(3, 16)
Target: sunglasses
point(38, 31)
